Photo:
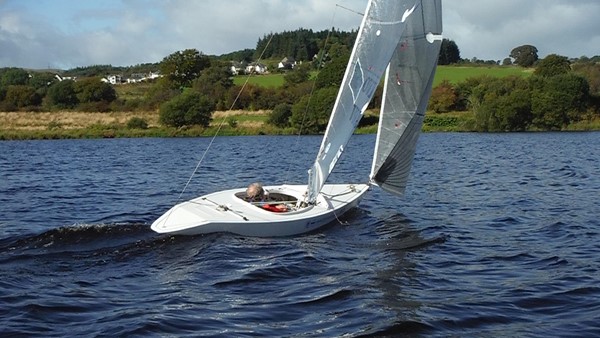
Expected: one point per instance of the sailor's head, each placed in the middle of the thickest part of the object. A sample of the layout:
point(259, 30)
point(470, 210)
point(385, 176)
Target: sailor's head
point(255, 191)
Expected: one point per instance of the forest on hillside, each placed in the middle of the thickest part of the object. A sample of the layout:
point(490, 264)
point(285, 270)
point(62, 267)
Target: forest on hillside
point(192, 85)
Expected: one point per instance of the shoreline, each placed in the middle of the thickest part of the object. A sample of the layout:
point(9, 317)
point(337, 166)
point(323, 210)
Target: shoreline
point(87, 125)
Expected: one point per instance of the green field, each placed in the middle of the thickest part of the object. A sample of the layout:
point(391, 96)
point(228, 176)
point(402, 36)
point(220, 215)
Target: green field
point(135, 91)
point(454, 74)
point(267, 80)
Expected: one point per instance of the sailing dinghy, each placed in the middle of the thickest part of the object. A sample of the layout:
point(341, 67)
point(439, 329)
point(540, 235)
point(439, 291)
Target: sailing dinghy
point(400, 38)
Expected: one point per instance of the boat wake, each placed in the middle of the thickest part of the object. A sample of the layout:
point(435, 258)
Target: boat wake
point(78, 239)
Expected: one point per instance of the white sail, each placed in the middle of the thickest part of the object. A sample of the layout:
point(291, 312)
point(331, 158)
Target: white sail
point(407, 89)
point(378, 38)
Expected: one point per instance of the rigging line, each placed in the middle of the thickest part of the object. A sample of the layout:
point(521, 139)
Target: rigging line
point(312, 90)
point(350, 10)
point(222, 123)
point(352, 189)
point(339, 220)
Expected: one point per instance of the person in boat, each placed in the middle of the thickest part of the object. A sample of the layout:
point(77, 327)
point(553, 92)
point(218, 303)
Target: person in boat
point(256, 193)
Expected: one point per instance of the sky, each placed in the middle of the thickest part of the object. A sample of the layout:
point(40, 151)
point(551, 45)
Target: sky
point(65, 34)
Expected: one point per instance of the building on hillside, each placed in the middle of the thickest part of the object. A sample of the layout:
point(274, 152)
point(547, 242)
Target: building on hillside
point(257, 68)
point(153, 75)
point(287, 63)
point(113, 79)
point(141, 77)
point(62, 78)
point(238, 68)
point(136, 78)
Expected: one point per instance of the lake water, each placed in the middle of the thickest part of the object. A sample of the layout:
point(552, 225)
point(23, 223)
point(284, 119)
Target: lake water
point(497, 235)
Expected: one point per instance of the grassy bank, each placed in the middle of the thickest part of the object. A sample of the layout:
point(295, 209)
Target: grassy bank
point(76, 125)
point(67, 124)
point(68, 120)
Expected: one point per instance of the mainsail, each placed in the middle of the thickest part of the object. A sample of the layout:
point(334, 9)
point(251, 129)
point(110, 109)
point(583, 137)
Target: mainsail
point(407, 89)
point(379, 37)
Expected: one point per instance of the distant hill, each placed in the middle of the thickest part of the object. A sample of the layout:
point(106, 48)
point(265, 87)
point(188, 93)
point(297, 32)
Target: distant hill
point(301, 44)
point(105, 70)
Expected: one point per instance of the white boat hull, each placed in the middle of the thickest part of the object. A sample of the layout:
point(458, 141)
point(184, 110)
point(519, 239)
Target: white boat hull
point(225, 212)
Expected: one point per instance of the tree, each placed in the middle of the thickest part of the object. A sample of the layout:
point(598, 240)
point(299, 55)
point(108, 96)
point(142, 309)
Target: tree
point(502, 104)
point(93, 71)
point(515, 111)
point(188, 108)
point(311, 115)
point(280, 116)
point(14, 77)
point(591, 71)
point(553, 65)
point(214, 82)
point(244, 55)
point(21, 96)
point(182, 67)
point(159, 93)
point(558, 100)
point(465, 96)
point(94, 90)
point(41, 81)
point(449, 53)
point(62, 94)
point(333, 73)
point(339, 50)
point(302, 44)
point(297, 76)
point(524, 56)
point(244, 99)
point(443, 97)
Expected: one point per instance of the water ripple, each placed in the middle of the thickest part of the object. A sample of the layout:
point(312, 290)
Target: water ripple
point(495, 236)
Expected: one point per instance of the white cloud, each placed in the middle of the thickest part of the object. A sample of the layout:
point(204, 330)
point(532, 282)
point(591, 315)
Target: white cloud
point(490, 29)
point(128, 32)
point(218, 29)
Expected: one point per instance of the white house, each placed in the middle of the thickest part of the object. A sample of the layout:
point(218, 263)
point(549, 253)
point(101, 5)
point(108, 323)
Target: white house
point(238, 67)
point(287, 63)
point(257, 68)
point(113, 79)
point(62, 78)
point(136, 78)
point(140, 77)
point(153, 75)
